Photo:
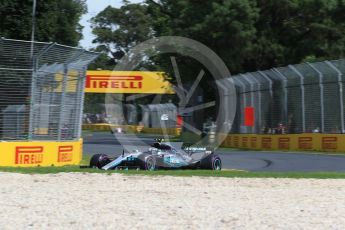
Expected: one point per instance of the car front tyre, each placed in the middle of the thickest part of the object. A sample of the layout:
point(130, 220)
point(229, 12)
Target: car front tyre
point(99, 160)
point(150, 163)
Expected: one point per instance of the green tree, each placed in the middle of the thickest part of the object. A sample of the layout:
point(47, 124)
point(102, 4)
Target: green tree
point(227, 27)
point(257, 34)
point(57, 21)
point(292, 31)
point(247, 34)
point(118, 30)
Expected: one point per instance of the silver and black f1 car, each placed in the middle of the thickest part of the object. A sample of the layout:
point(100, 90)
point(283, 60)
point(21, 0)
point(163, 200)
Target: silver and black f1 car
point(161, 155)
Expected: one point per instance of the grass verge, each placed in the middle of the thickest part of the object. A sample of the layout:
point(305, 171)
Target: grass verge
point(238, 174)
point(179, 173)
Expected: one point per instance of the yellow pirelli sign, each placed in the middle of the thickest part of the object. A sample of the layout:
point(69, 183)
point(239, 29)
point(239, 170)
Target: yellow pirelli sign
point(29, 154)
point(127, 82)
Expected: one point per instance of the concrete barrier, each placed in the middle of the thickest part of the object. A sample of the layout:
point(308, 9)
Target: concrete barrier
point(158, 131)
point(289, 142)
point(132, 129)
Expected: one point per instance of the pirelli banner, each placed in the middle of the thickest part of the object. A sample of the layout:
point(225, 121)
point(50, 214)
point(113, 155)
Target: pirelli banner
point(127, 82)
point(289, 142)
point(29, 154)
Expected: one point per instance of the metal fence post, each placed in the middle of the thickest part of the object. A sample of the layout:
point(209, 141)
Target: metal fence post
point(302, 94)
point(285, 106)
point(225, 86)
point(77, 126)
point(260, 100)
point(82, 86)
point(32, 102)
point(35, 63)
point(321, 96)
point(62, 103)
point(270, 86)
point(236, 79)
point(341, 99)
point(80, 89)
point(244, 76)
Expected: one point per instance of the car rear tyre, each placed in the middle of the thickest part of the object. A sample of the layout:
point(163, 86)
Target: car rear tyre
point(211, 162)
point(217, 164)
point(99, 160)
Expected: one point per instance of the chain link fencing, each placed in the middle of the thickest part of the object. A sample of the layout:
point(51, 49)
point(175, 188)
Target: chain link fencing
point(304, 98)
point(41, 90)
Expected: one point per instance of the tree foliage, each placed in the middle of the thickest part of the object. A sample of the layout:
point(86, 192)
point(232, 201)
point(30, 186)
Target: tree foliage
point(293, 31)
point(118, 30)
point(57, 21)
point(247, 34)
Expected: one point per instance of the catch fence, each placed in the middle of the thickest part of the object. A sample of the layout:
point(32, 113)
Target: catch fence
point(149, 116)
point(41, 90)
point(304, 98)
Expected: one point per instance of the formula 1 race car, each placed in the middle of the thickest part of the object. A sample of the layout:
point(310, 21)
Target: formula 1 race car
point(160, 156)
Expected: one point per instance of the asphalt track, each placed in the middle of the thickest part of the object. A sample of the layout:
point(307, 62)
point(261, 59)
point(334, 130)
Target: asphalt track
point(259, 161)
